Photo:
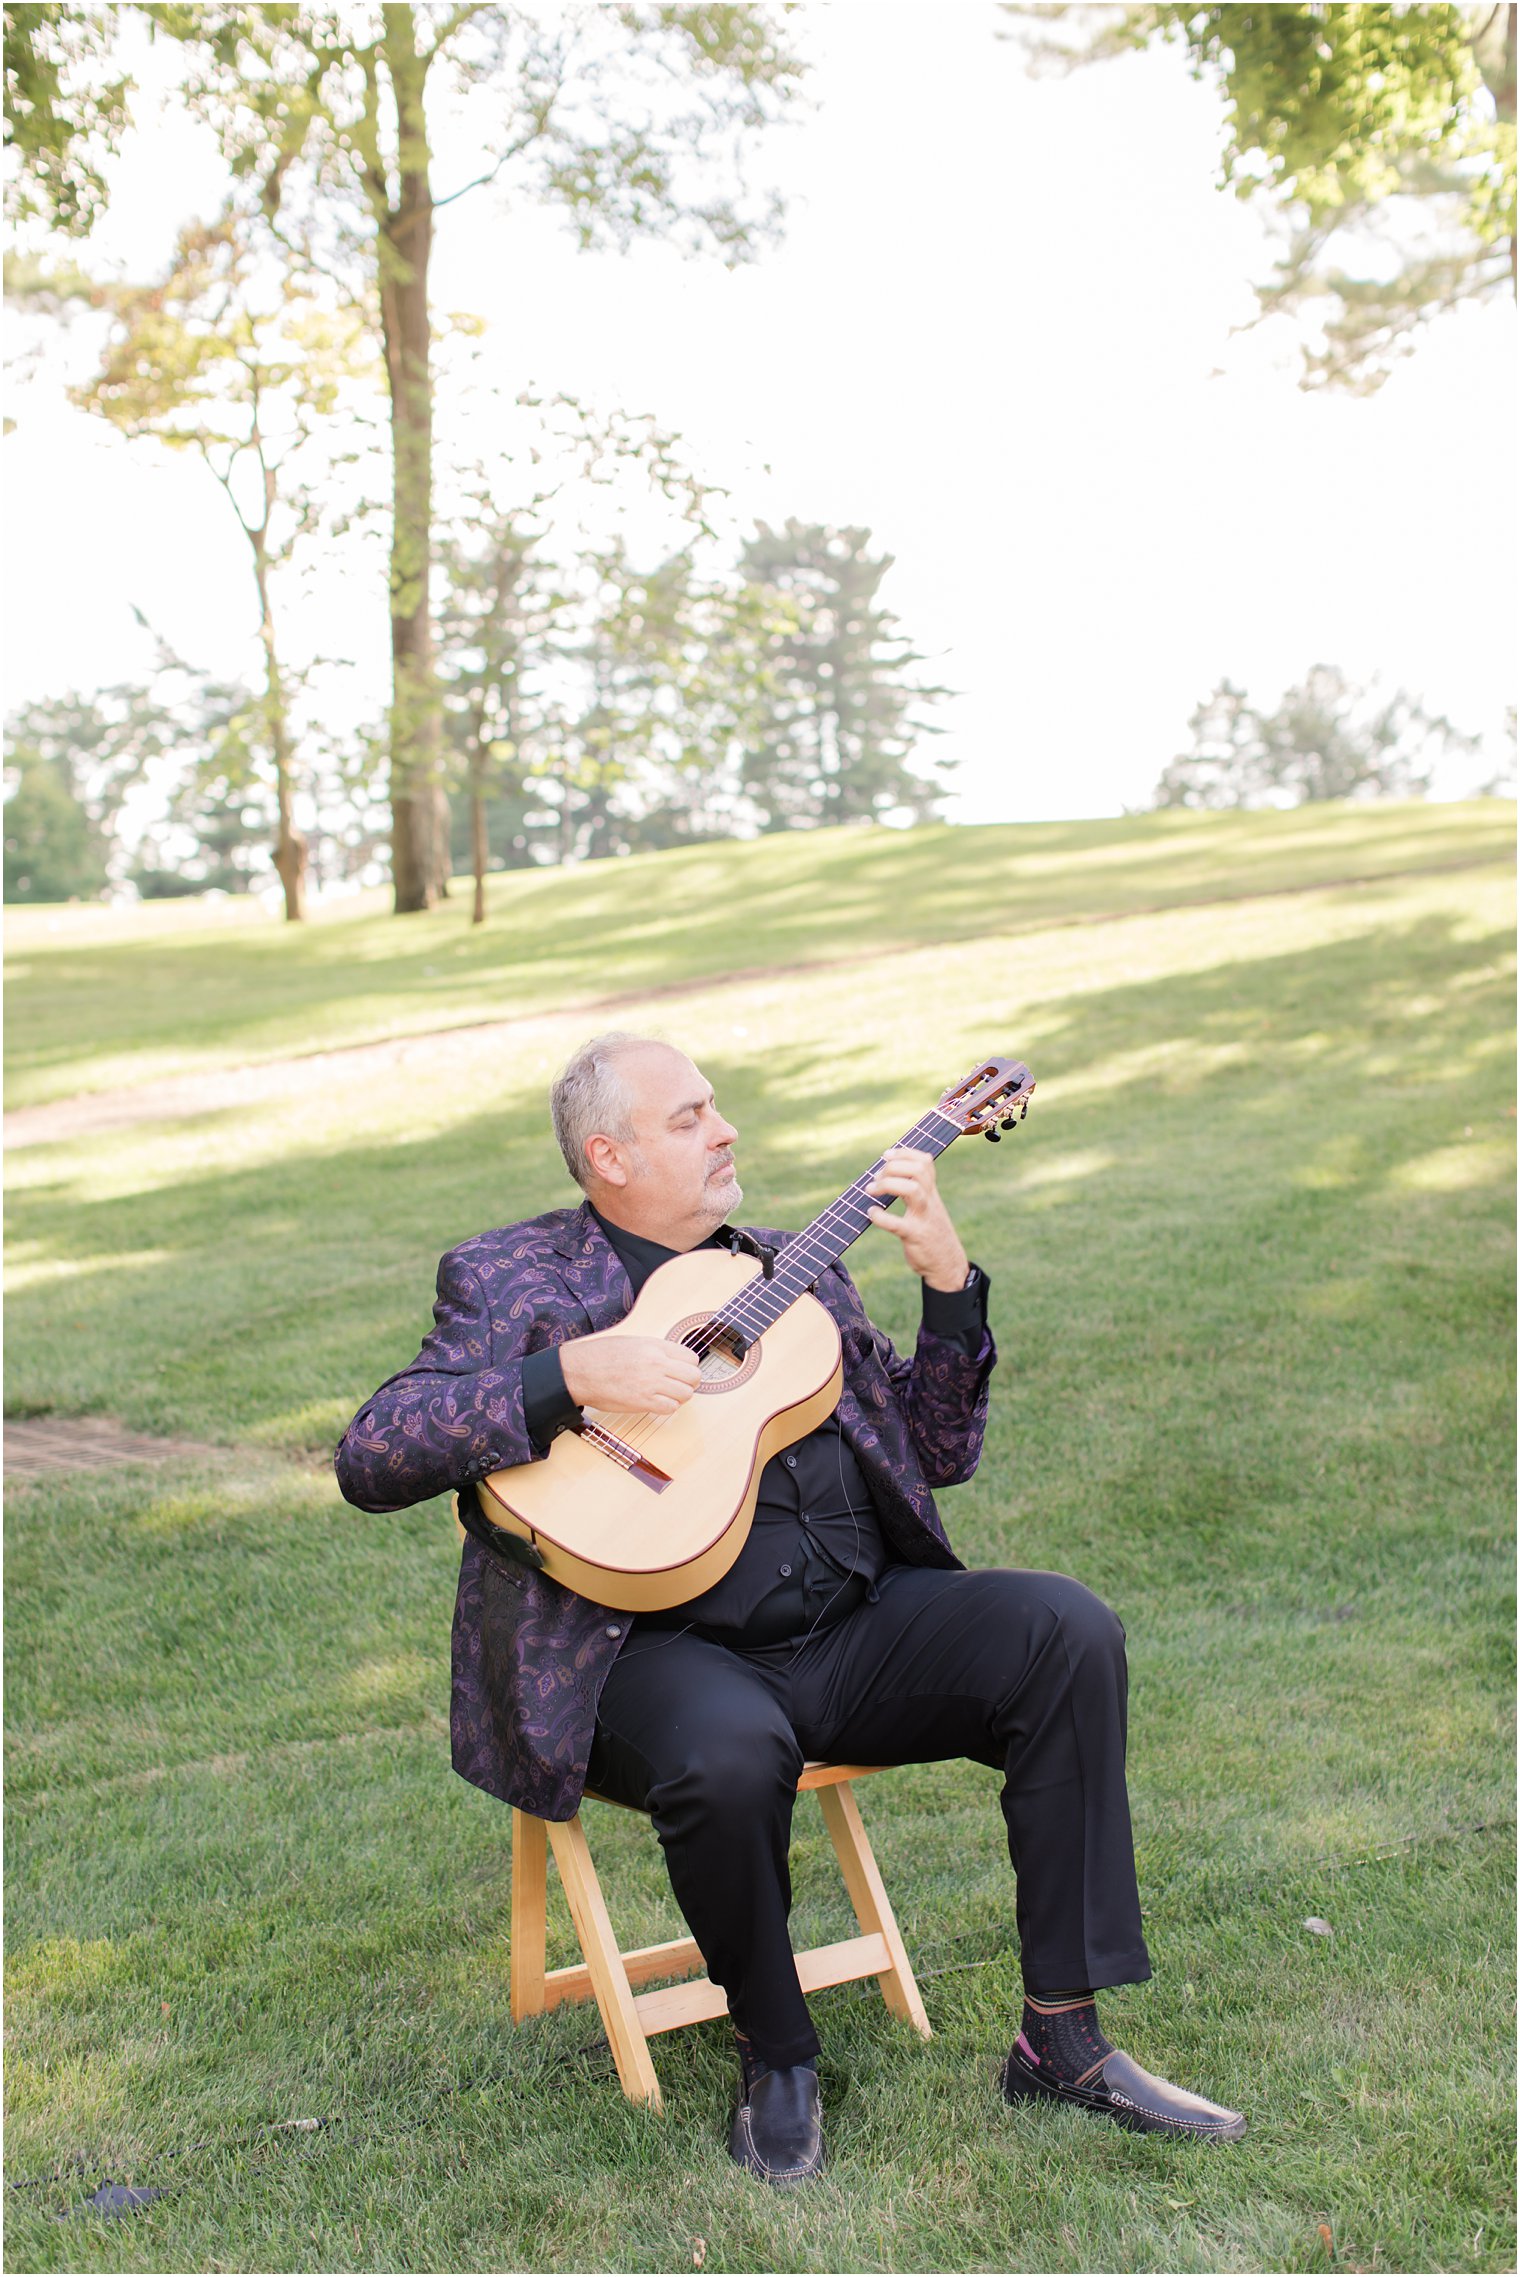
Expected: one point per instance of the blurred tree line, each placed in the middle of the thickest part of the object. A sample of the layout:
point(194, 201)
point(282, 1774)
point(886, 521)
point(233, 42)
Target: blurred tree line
point(1327, 738)
point(592, 705)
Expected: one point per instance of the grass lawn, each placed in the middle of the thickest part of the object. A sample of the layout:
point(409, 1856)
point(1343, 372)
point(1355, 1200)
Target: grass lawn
point(1252, 1276)
point(115, 997)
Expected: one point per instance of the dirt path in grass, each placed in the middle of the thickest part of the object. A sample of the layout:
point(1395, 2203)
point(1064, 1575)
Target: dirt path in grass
point(450, 1052)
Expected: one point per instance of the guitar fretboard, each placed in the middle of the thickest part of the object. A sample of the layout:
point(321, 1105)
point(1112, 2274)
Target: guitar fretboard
point(760, 1302)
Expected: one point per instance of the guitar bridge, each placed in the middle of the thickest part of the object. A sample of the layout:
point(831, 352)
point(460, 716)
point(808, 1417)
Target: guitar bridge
point(627, 1458)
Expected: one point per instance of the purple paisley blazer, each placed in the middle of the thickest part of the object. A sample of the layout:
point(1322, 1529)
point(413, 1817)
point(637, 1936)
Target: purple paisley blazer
point(530, 1657)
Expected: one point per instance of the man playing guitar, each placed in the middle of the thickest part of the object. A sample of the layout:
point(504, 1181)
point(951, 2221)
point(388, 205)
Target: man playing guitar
point(845, 1628)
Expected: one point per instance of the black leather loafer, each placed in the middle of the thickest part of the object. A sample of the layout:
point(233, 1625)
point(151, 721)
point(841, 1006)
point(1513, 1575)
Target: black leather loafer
point(1120, 2089)
point(778, 2127)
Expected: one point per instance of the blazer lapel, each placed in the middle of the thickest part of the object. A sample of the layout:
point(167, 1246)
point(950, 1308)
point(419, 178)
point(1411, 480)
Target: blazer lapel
point(592, 1271)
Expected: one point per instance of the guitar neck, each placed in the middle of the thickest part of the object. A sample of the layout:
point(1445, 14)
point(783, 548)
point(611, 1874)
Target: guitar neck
point(820, 1244)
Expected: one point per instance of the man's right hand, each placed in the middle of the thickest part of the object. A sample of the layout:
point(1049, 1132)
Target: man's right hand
point(641, 1372)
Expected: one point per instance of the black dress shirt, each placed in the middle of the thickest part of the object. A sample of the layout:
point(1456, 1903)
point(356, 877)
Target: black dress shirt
point(815, 1546)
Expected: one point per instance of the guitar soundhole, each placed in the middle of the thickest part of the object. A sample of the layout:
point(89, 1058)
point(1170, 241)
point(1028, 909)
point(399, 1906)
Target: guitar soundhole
point(724, 1360)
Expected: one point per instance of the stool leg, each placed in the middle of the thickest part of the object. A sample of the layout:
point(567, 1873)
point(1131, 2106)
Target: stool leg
point(614, 1996)
point(530, 1892)
point(873, 1908)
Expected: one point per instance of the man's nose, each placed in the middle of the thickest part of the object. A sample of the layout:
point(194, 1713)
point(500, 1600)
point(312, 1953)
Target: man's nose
point(725, 1134)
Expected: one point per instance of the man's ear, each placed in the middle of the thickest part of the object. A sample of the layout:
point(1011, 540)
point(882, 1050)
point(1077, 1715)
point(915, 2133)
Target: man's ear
point(604, 1162)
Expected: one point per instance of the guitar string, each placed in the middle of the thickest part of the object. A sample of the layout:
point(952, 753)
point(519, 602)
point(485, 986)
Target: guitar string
point(856, 1200)
point(797, 1255)
point(855, 1196)
point(701, 1342)
point(840, 1212)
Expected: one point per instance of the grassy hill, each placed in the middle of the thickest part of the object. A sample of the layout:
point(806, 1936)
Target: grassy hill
point(1252, 1277)
point(113, 997)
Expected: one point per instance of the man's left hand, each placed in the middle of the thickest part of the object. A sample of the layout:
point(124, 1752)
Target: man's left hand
point(930, 1242)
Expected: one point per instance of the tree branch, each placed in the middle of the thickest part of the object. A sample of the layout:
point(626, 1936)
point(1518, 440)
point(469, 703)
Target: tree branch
point(513, 150)
point(453, 21)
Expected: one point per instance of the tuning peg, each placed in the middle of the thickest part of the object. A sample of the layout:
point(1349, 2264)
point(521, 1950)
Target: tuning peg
point(1023, 1111)
point(995, 1136)
point(1010, 1122)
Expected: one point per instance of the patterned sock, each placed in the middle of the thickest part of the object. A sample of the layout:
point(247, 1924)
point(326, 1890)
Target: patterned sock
point(1060, 2033)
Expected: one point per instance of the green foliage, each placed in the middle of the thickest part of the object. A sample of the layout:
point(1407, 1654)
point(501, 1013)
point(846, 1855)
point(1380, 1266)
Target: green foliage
point(189, 743)
point(674, 662)
point(249, 365)
point(53, 851)
point(1330, 103)
point(64, 112)
point(597, 111)
point(627, 120)
point(1326, 740)
point(592, 703)
point(216, 835)
point(231, 355)
point(1386, 128)
point(1252, 1273)
point(839, 718)
point(497, 608)
point(617, 707)
point(71, 762)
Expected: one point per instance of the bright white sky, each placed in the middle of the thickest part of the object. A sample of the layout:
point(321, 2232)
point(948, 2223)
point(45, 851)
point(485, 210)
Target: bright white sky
point(998, 334)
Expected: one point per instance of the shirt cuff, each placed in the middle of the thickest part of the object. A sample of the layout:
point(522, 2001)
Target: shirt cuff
point(959, 1315)
point(547, 1405)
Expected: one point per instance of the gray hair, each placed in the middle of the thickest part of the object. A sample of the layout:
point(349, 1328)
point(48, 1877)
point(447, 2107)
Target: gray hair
point(589, 1097)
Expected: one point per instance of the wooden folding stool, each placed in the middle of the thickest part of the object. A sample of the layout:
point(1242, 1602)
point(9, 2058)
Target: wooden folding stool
point(610, 1977)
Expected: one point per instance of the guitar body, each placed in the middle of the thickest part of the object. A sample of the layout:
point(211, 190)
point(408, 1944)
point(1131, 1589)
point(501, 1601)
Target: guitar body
point(644, 1512)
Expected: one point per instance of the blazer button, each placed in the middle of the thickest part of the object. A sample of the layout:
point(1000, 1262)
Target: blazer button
point(790, 1462)
point(785, 1572)
point(613, 1632)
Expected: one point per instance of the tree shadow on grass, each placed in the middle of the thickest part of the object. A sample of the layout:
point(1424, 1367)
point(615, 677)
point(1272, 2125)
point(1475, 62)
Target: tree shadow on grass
point(699, 913)
point(1203, 1112)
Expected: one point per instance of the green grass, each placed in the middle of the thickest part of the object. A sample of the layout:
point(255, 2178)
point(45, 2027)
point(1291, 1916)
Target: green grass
point(1252, 1276)
point(119, 997)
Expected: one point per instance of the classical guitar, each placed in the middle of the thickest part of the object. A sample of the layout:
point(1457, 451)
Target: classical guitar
point(644, 1511)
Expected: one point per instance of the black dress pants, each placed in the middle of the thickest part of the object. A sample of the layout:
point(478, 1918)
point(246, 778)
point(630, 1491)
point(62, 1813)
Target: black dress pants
point(1023, 1671)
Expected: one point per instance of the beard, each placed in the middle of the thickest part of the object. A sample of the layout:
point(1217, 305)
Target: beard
point(720, 1195)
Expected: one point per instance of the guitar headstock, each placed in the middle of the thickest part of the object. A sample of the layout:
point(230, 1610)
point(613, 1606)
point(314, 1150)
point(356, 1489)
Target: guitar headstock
point(995, 1093)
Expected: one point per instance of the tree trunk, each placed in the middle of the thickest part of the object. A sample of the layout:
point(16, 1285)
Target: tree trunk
point(290, 846)
point(419, 838)
point(479, 844)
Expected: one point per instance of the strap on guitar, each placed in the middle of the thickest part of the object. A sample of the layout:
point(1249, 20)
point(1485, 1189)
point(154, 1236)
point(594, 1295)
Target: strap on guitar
point(512, 1547)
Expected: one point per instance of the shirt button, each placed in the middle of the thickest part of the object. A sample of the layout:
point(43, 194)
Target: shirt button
point(614, 1632)
point(785, 1572)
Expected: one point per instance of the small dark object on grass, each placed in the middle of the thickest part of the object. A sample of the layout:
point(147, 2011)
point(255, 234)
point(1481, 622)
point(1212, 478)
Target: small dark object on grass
point(115, 2198)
